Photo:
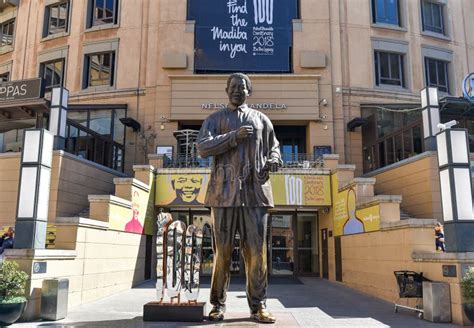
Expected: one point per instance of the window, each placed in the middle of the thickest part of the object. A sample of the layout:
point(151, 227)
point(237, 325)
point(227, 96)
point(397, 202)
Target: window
point(5, 77)
point(53, 74)
point(103, 12)
point(56, 18)
point(8, 29)
point(100, 69)
point(432, 17)
point(389, 69)
point(437, 74)
point(386, 12)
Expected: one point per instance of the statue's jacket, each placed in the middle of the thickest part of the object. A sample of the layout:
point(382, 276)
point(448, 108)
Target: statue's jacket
point(238, 173)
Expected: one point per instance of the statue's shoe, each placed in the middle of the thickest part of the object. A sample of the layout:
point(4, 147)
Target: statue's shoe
point(263, 316)
point(217, 313)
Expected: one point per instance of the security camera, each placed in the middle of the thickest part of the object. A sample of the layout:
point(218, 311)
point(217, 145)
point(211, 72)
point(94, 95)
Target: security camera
point(447, 125)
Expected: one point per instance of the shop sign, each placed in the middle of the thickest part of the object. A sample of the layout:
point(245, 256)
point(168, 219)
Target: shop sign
point(20, 90)
point(189, 189)
point(243, 35)
point(260, 106)
point(468, 87)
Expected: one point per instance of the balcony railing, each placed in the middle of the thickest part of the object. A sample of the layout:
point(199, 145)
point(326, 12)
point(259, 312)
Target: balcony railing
point(302, 161)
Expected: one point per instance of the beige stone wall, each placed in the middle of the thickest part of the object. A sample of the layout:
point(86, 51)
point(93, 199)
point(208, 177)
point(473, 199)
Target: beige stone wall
point(9, 178)
point(98, 262)
point(417, 181)
point(72, 180)
point(370, 259)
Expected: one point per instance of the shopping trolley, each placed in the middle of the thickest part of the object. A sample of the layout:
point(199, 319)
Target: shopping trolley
point(410, 285)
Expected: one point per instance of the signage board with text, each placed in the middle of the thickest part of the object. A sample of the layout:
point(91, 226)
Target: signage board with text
point(20, 90)
point(243, 35)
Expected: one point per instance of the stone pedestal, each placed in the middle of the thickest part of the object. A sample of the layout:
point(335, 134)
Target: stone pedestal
point(179, 312)
point(436, 302)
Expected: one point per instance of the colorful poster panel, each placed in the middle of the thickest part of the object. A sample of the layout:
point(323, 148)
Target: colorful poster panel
point(185, 189)
point(347, 219)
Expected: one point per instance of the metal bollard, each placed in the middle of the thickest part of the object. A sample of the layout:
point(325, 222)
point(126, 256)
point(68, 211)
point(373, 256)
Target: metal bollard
point(54, 297)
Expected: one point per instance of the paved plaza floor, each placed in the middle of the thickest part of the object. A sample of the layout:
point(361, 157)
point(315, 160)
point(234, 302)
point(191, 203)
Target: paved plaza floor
point(296, 302)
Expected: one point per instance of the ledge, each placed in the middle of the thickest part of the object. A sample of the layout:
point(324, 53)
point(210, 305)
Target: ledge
point(113, 200)
point(137, 168)
point(133, 182)
point(409, 223)
point(443, 257)
point(402, 163)
point(89, 163)
point(358, 181)
point(43, 254)
point(82, 222)
point(252, 76)
point(331, 156)
point(350, 167)
point(380, 199)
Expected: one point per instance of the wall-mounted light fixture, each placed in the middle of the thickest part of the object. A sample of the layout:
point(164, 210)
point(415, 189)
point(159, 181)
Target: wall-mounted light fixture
point(164, 120)
point(430, 114)
point(33, 190)
point(456, 187)
point(323, 102)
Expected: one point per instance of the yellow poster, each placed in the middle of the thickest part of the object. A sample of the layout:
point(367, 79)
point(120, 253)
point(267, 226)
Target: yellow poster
point(137, 220)
point(188, 189)
point(347, 218)
point(181, 189)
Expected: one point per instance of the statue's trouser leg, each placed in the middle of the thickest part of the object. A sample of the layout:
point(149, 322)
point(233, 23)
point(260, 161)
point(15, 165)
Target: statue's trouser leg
point(253, 236)
point(224, 226)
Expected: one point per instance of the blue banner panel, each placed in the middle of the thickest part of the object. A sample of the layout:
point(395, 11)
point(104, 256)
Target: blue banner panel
point(243, 35)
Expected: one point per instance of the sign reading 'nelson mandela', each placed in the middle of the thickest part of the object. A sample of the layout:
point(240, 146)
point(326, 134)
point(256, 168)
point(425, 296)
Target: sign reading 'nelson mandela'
point(243, 35)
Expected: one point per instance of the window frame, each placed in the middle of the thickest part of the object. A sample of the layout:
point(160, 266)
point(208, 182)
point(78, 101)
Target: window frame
point(2, 24)
point(43, 70)
point(398, 47)
point(5, 74)
point(112, 74)
point(377, 69)
point(93, 23)
point(439, 54)
point(445, 18)
point(374, 11)
point(47, 19)
point(446, 73)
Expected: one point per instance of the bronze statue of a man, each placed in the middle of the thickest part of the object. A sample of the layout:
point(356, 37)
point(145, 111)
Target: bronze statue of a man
point(245, 150)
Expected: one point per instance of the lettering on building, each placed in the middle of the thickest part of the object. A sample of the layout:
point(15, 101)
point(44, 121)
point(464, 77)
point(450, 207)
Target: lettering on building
point(258, 106)
point(20, 90)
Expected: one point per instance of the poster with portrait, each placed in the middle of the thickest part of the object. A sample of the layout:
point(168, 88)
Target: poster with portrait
point(181, 189)
point(189, 189)
point(243, 35)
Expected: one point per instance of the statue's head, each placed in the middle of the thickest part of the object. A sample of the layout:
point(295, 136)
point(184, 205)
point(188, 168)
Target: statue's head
point(239, 87)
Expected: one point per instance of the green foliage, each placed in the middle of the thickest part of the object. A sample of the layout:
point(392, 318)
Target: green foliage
point(12, 283)
point(467, 286)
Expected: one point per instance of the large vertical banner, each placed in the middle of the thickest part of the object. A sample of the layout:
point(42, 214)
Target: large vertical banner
point(243, 35)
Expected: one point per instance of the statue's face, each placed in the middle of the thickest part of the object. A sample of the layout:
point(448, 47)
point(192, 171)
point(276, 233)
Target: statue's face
point(237, 91)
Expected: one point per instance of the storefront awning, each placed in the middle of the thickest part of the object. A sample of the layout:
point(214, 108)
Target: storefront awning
point(457, 106)
point(13, 110)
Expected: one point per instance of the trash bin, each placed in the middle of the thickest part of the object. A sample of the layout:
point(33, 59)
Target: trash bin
point(437, 301)
point(54, 295)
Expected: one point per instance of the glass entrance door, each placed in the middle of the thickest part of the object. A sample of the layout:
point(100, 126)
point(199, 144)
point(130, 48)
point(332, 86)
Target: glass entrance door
point(307, 243)
point(282, 245)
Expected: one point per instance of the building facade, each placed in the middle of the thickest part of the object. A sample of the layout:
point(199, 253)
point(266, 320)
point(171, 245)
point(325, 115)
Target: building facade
point(335, 77)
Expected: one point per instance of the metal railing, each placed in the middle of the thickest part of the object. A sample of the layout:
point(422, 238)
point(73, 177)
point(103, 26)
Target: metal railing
point(302, 161)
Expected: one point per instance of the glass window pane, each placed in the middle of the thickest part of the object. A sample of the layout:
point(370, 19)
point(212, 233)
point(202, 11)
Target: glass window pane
point(282, 245)
point(307, 243)
point(407, 144)
point(100, 121)
point(432, 72)
point(417, 141)
point(442, 73)
point(394, 66)
point(94, 70)
point(78, 116)
point(390, 151)
point(384, 69)
point(398, 148)
point(427, 17)
point(119, 128)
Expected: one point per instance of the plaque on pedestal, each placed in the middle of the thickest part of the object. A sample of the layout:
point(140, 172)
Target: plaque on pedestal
point(178, 255)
